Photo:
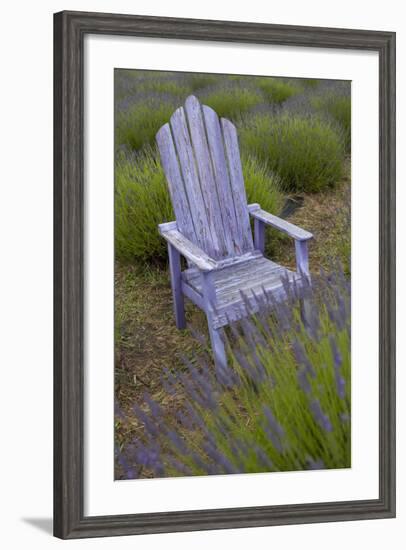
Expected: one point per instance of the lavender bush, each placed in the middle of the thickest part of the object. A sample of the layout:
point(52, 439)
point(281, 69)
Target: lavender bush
point(277, 90)
point(139, 118)
point(281, 404)
point(230, 100)
point(337, 104)
point(307, 152)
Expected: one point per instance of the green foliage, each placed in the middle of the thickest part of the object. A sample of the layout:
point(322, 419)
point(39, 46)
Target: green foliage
point(303, 370)
point(338, 106)
point(261, 185)
point(177, 87)
point(310, 82)
point(142, 202)
point(282, 402)
point(276, 90)
point(231, 102)
point(138, 126)
point(202, 80)
point(306, 152)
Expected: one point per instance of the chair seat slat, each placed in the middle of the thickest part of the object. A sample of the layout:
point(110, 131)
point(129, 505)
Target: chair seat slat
point(249, 279)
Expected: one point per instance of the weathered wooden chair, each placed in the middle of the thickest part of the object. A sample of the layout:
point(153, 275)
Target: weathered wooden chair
point(201, 160)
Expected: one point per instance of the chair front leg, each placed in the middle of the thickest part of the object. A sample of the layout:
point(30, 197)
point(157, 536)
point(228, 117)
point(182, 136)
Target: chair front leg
point(209, 298)
point(302, 267)
point(176, 283)
point(302, 258)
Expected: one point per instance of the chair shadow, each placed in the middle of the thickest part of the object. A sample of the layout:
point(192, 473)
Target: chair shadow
point(43, 524)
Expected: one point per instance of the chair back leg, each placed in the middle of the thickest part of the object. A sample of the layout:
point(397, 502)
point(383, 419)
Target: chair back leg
point(176, 283)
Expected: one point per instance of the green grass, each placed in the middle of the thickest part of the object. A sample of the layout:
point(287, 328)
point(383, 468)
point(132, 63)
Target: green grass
point(138, 126)
point(142, 202)
point(276, 90)
point(306, 152)
point(231, 102)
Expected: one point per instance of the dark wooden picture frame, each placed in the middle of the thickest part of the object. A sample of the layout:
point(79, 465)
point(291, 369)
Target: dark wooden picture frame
point(69, 31)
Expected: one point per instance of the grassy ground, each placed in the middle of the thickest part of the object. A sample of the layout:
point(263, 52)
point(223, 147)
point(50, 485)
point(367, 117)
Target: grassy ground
point(327, 216)
point(147, 340)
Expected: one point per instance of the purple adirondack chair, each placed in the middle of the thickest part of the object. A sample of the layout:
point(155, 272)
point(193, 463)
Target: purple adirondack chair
point(226, 266)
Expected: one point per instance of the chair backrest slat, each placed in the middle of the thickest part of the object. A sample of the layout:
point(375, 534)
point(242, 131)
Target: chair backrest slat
point(207, 181)
point(237, 183)
point(201, 161)
point(190, 177)
point(222, 180)
point(176, 186)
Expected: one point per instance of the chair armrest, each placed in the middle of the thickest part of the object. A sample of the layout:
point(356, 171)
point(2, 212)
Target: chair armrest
point(188, 249)
point(293, 231)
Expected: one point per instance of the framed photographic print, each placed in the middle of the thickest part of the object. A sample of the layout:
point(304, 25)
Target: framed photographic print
point(224, 274)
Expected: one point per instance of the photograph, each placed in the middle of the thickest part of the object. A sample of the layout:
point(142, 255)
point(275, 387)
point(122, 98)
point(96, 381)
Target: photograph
point(232, 274)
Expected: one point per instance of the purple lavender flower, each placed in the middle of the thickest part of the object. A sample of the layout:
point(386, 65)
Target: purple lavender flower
point(184, 419)
point(264, 459)
point(179, 466)
point(315, 464)
point(169, 381)
point(129, 472)
point(336, 353)
point(303, 379)
point(273, 429)
point(301, 357)
point(155, 409)
point(219, 458)
point(149, 424)
point(207, 467)
point(177, 441)
point(340, 384)
point(150, 456)
point(320, 417)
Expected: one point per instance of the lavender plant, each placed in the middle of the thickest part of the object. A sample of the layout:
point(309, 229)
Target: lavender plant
point(307, 152)
point(231, 100)
point(337, 104)
point(197, 81)
point(281, 404)
point(277, 90)
point(139, 118)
